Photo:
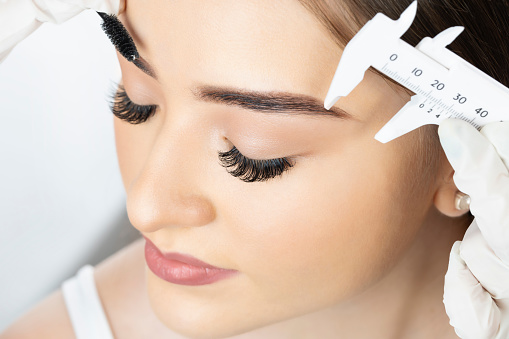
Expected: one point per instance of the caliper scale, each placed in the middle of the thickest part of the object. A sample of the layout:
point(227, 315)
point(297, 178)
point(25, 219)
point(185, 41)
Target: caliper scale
point(445, 85)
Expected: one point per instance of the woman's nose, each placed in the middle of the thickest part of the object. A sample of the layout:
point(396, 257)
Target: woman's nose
point(151, 207)
point(169, 190)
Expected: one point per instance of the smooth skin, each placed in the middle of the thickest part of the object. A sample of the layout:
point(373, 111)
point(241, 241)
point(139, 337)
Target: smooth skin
point(351, 242)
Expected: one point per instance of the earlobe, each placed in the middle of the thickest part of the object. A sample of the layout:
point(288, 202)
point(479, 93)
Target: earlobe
point(448, 199)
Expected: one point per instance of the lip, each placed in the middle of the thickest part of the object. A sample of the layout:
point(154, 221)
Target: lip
point(182, 269)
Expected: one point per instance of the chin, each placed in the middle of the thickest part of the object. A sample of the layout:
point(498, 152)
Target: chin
point(211, 326)
point(193, 316)
point(217, 313)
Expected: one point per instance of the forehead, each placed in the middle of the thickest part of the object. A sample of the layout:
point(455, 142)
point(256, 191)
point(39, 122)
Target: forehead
point(256, 44)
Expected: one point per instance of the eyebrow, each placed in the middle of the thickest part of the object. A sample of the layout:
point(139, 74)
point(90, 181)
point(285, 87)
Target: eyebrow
point(267, 102)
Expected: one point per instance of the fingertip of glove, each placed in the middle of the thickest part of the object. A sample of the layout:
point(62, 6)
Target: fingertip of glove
point(450, 126)
point(446, 130)
point(449, 131)
point(455, 257)
point(496, 128)
point(457, 136)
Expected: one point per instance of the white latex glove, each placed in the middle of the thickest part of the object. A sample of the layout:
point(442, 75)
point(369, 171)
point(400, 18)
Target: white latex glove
point(19, 18)
point(476, 291)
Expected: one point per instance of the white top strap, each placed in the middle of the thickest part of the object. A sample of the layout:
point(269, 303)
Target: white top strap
point(84, 306)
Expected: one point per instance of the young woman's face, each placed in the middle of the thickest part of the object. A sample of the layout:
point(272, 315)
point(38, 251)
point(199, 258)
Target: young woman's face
point(326, 229)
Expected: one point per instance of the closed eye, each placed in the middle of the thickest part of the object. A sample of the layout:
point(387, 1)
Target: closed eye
point(123, 108)
point(239, 166)
point(251, 170)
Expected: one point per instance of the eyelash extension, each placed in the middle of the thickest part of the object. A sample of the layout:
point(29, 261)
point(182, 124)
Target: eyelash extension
point(250, 170)
point(247, 170)
point(123, 108)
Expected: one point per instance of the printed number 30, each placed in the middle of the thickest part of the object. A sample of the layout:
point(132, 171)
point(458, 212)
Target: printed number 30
point(460, 99)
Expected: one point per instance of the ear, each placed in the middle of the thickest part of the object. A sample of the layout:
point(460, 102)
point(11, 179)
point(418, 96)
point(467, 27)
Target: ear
point(445, 195)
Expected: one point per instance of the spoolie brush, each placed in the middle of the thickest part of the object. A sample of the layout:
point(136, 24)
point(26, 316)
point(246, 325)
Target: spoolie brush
point(119, 36)
point(123, 42)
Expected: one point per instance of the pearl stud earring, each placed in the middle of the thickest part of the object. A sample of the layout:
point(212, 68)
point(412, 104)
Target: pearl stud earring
point(462, 201)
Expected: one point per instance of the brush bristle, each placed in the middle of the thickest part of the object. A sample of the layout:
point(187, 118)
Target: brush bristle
point(119, 36)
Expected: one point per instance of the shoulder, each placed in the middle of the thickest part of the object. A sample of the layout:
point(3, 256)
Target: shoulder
point(48, 319)
point(120, 281)
point(122, 288)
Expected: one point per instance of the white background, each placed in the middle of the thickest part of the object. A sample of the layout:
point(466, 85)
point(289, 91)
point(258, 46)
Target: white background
point(62, 203)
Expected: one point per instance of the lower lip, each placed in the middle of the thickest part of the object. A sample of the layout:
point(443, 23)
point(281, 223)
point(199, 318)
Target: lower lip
point(180, 273)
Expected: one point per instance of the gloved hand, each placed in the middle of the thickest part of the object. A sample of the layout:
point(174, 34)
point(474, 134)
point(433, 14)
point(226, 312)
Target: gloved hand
point(19, 18)
point(476, 291)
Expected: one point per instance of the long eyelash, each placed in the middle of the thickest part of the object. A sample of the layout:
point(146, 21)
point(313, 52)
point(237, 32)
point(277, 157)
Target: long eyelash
point(123, 108)
point(250, 170)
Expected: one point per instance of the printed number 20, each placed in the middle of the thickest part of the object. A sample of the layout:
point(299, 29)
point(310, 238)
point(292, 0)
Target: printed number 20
point(438, 85)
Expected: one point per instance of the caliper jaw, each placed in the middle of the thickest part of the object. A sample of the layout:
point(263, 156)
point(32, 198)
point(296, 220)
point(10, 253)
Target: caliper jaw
point(366, 48)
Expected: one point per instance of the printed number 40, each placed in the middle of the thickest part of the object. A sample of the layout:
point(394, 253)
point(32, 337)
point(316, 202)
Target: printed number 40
point(482, 113)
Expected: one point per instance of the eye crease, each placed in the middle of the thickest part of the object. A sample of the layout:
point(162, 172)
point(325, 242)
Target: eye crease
point(239, 166)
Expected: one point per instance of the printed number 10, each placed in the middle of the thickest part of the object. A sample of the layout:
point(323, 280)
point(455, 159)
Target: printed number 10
point(417, 72)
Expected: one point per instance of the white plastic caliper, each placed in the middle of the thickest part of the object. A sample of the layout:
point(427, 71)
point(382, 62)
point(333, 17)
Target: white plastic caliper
point(446, 85)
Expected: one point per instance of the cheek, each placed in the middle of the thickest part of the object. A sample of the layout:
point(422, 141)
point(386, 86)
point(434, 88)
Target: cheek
point(133, 144)
point(330, 228)
point(123, 146)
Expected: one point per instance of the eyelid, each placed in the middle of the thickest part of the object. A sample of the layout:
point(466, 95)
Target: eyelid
point(266, 158)
point(120, 89)
point(139, 95)
point(262, 147)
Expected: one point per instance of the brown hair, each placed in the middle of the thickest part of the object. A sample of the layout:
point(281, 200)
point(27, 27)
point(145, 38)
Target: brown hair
point(484, 43)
